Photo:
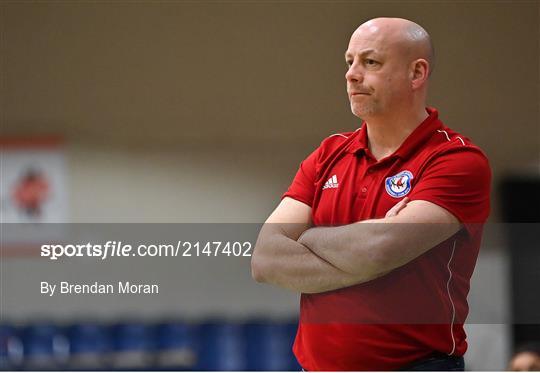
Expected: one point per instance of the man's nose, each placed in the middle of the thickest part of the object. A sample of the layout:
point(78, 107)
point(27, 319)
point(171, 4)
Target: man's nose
point(354, 73)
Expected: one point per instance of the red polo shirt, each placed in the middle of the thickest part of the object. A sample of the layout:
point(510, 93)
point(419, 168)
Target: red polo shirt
point(419, 308)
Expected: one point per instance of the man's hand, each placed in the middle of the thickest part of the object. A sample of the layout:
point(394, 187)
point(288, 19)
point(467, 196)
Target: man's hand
point(397, 208)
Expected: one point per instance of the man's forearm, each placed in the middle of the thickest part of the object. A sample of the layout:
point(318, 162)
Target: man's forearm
point(284, 262)
point(350, 248)
point(371, 248)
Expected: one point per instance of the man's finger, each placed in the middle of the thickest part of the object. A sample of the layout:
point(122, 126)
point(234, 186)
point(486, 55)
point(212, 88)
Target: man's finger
point(397, 207)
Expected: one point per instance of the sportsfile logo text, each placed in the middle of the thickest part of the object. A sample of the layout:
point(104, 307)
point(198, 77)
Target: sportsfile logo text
point(109, 249)
point(118, 249)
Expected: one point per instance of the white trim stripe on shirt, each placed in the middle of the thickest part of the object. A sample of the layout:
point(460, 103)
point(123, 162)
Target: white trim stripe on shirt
point(448, 137)
point(450, 297)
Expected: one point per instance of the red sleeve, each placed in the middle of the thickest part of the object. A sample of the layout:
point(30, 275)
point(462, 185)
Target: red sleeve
point(302, 187)
point(458, 180)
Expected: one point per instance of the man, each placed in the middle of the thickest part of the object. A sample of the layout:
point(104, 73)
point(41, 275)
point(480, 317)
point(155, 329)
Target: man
point(378, 229)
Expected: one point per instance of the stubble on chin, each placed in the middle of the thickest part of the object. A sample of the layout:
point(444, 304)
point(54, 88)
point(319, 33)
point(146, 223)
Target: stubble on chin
point(362, 111)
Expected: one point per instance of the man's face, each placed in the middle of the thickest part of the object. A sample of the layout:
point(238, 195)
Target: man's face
point(377, 75)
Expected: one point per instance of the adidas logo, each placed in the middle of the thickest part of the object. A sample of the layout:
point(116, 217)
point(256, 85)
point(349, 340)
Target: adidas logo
point(331, 183)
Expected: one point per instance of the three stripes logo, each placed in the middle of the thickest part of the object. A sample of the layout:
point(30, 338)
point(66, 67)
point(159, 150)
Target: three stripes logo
point(331, 183)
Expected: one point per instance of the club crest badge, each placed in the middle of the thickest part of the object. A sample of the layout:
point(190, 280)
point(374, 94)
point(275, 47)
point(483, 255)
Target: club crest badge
point(399, 185)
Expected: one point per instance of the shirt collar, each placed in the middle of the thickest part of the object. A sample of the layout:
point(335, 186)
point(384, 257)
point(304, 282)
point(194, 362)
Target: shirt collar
point(360, 143)
point(419, 136)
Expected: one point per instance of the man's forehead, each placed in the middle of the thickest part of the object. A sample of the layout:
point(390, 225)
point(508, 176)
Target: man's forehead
point(377, 39)
point(367, 45)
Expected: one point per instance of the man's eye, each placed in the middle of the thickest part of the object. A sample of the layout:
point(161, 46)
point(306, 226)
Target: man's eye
point(371, 62)
point(349, 63)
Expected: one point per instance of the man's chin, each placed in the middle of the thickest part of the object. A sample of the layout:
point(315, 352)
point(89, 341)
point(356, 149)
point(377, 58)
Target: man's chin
point(361, 112)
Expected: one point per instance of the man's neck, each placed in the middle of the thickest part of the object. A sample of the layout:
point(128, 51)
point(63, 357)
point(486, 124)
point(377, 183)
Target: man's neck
point(385, 135)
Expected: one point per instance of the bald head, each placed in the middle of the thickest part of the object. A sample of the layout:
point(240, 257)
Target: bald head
point(389, 62)
point(409, 38)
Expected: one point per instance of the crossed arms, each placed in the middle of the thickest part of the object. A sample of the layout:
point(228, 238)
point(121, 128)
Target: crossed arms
point(290, 253)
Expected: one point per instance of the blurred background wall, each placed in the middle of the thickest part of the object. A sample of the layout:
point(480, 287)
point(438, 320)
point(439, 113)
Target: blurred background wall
point(157, 100)
point(202, 112)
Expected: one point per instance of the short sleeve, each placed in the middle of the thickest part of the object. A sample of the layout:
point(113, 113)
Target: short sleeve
point(458, 180)
point(302, 187)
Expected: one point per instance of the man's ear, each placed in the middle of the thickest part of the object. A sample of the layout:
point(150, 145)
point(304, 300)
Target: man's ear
point(419, 73)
